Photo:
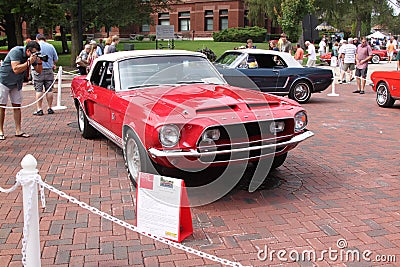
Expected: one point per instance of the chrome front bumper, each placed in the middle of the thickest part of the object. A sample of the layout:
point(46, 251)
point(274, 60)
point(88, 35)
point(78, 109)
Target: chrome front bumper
point(155, 153)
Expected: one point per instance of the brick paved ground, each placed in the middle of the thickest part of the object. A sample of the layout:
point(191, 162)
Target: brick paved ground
point(341, 184)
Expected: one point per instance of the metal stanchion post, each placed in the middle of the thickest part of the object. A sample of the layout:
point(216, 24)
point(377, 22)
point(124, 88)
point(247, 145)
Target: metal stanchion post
point(58, 106)
point(333, 65)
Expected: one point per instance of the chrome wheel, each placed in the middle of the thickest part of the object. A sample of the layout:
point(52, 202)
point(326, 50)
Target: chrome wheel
point(301, 92)
point(81, 119)
point(383, 97)
point(375, 59)
point(132, 158)
point(85, 128)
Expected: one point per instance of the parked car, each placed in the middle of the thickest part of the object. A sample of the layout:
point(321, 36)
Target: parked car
point(272, 72)
point(378, 55)
point(386, 84)
point(172, 109)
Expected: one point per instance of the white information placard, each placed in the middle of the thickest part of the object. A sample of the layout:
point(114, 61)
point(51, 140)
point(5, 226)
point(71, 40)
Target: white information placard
point(159, 206)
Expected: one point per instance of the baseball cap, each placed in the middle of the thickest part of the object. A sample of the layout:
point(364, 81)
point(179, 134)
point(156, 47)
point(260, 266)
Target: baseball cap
point(40, 36)
point(93, 42)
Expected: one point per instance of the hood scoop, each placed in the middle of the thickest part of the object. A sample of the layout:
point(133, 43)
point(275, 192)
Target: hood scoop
point(262, 105)
point(216, 109)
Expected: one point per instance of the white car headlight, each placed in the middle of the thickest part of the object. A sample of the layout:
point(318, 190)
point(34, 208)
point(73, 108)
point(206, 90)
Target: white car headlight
point(300, 121)
point(213, 134)
point(169, 135)
point(277, 127)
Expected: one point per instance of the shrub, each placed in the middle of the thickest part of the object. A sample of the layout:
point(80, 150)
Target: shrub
point(209, 53)
point(139, 37)
point(152, 37)
point(257, 34)
point(57, 37)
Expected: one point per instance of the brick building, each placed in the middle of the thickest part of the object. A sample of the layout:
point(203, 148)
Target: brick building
point(201, 16)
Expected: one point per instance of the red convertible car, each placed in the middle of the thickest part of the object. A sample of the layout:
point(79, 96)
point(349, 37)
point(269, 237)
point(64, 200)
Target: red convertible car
point(172, 109)
point(386, 84)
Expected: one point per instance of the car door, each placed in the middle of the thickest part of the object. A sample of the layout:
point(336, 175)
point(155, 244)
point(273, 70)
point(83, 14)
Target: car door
point(99, 96)
point(265, 75)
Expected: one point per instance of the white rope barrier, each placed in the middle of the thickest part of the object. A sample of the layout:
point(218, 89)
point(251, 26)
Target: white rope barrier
point(58, 77)
point(28, 177)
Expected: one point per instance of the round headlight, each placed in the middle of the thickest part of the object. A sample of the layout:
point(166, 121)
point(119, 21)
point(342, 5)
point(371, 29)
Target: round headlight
point(277, 127)
point(300, 121)
point(169, 135)
point(213, 134)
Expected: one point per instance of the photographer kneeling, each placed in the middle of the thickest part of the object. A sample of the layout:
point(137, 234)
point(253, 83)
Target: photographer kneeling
point(45, 79)
point(12, 73)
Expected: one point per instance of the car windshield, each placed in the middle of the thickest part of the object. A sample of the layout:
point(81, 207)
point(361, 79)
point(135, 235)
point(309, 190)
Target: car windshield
point(228, 58)
point(166, 70)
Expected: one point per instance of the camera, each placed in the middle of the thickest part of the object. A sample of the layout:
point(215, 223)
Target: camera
point(44, 58)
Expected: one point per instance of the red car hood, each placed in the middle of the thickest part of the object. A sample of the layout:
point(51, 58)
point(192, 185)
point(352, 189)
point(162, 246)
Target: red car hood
point(195, 100)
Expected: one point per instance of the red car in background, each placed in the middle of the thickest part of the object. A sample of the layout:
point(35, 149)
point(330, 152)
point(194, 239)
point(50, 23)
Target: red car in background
point(386, 84)
point(378, 55)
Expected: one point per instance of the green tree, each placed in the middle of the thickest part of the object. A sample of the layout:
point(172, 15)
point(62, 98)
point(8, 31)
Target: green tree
point(95, 14)
point(293, 12)
point(12, 14)
point(288, 13)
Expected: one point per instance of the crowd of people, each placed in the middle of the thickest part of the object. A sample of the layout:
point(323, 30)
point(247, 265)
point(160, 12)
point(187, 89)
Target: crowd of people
point(92, 50)
point(351, 55)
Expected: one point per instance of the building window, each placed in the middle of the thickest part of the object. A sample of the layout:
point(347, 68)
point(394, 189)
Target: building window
point(184, 21)
point(145, 28)
point(208, 20)
point(163, 18)
point(223, 19)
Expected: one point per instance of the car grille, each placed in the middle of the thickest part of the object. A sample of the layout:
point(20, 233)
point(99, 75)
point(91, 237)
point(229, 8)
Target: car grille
point(238, 136)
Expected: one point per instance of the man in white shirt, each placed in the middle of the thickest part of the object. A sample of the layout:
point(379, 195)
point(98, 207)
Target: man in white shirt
point(311, 54)
point(322, 47)
point(348, 56)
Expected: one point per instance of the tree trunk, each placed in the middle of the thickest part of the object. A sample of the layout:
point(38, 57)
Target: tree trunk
point(74, 40)
point(18, 29)
point(10, 30)
point(358, 27)
point(64, 41)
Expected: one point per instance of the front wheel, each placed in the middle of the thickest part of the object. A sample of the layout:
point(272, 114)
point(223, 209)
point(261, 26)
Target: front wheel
point(278, 161)
point(136, 158)
point(375, 59)
point(383, 97)
point(301, 92)
point(87, 130)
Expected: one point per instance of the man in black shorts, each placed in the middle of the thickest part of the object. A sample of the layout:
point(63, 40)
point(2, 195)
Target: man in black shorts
point(363, 55)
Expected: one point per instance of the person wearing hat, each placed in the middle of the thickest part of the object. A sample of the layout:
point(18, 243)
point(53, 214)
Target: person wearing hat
point(99, 52)
point(82, 60)
point(45, 79)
